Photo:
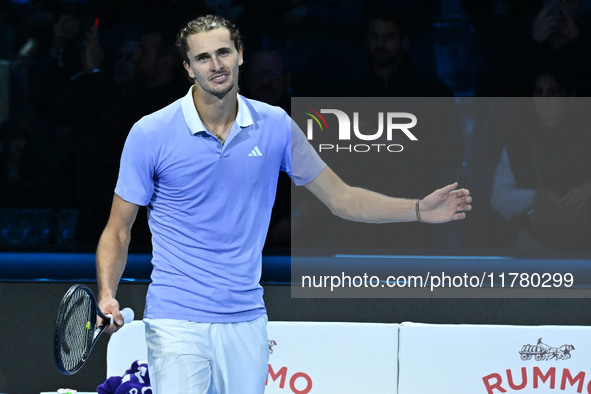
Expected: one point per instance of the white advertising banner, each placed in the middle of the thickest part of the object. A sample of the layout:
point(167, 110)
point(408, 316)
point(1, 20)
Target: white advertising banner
point(469, 359)
point(331, 358)
point(126, 346)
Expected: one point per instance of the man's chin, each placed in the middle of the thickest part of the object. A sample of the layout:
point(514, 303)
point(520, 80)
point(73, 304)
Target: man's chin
point(221, 92)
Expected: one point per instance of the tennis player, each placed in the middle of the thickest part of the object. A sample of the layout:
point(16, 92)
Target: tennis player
point(206, 167)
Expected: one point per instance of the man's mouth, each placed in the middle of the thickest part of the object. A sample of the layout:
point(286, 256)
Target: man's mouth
point(220, 78)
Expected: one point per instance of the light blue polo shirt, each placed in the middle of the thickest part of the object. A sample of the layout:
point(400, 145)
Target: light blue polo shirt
point(209, 205)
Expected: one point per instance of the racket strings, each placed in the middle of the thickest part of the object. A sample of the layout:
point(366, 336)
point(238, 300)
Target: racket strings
point(78, 330)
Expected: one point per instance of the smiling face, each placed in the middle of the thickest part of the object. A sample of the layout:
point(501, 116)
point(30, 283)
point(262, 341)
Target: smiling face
point(213, 62)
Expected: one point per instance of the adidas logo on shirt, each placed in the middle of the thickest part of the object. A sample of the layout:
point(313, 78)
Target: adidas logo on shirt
point(256, 152)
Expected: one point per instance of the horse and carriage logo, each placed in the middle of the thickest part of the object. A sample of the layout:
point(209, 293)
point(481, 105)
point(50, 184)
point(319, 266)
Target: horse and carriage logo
point(541, 351)
point(272, 343)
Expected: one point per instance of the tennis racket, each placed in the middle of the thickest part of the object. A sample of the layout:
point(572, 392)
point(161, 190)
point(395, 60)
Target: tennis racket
point(75, 329)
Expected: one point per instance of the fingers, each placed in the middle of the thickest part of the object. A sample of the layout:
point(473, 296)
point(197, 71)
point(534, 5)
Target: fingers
point(459, 216)
point(446, 204)
point(466, 200)
point(117, 323)
point(118, 318)
point(465, 208)
point(464, 204)
point(461, 193)
point(110, 307)
point(447, 189)
point(461, 210)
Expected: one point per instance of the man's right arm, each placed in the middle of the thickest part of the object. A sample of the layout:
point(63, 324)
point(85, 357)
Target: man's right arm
point(111, 256)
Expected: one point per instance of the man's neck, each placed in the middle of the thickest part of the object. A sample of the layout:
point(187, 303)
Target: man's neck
point(216, 111)
point(385, 71)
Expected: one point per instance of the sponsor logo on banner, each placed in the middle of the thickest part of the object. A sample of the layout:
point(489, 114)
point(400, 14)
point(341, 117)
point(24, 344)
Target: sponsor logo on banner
point(350, 137)
point(272, 343)
point(297, 383)
point(541, 351)
point(542, 376)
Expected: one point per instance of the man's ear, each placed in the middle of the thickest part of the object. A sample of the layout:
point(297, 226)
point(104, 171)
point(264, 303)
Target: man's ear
point(189, 71)
point(240, 57)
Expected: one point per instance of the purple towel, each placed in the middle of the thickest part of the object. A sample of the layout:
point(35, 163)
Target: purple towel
point(135, 380)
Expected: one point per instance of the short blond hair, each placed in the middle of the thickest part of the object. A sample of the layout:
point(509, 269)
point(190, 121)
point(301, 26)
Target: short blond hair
point(202, 24)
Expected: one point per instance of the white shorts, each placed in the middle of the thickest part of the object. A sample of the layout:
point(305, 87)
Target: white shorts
point(215, 358)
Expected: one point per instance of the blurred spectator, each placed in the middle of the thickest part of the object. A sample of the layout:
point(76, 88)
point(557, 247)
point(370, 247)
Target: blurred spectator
point(52, 91)
point(266, 79)
point(542, 182)
point(558, 23)
point(390, 71)
point(124, 69)
point(320, 39)
point(75, 143)
point(560, 30)
point(159, 75)
point(143, 81)
point(84, 109)
point(93, 103)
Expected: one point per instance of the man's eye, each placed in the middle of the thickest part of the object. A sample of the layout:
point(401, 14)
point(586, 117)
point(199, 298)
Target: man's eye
point(224, 52)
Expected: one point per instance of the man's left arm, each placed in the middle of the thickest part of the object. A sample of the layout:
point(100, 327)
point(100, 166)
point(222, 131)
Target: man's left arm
point(358, 204)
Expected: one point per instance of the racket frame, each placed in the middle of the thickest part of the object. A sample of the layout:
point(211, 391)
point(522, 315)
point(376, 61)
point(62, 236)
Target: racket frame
point(93, 332)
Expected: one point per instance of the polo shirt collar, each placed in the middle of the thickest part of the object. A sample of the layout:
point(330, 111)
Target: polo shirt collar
point(243, 117)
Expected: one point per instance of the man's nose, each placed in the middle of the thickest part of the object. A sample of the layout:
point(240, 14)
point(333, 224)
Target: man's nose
point(215, 63)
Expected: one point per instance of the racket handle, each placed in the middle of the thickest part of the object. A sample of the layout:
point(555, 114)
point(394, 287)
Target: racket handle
point(128, 315)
